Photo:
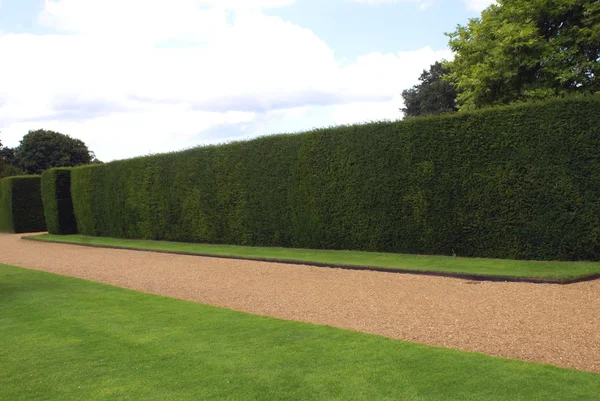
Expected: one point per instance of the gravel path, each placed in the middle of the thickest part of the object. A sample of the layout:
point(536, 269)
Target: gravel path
point(553, 324)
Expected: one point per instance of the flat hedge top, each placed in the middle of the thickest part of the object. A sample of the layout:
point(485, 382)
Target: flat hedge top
point(443, 120)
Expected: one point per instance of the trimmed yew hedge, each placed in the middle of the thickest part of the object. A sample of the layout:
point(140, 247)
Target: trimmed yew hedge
point(58, 205)
point(21, 208)
point(513, 182)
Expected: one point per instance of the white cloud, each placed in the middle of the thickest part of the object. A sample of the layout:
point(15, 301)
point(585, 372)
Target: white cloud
point(108, 83)
point(246, 4)
point(137, 132)
point(386, 75)
point(383, 1)
point(362, 112)
point(423, 4)
point(136, 21)
point(478, 5)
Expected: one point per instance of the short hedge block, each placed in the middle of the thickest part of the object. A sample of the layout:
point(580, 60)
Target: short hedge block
point(21, 208)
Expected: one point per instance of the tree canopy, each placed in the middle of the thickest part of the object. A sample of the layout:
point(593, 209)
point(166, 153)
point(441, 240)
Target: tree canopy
point(434, 95)
point(6, 169)
point(527, 49)
point(40, 150)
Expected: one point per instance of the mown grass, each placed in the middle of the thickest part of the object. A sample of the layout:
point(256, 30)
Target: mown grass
point(69, 339)
point(555, 270)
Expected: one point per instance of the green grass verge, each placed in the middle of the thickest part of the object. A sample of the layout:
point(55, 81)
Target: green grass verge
point(70, 339)
point(554, 270)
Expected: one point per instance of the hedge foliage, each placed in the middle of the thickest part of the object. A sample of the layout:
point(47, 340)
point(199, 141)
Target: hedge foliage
point(6, 218)
point(21, 208)
point(58, 205)
point(512, 182)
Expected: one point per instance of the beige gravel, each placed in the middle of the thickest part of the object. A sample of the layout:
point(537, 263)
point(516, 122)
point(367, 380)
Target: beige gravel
point(553, 324)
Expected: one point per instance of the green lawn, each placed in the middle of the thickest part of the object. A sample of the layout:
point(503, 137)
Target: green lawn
point(70, 339)
point(446, 264)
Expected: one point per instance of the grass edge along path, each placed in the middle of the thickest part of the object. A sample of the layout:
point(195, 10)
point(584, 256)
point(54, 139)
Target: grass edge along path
point(67, 338)
point(558, 272)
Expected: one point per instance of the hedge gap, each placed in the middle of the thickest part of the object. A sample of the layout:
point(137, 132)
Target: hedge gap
point(58, 205)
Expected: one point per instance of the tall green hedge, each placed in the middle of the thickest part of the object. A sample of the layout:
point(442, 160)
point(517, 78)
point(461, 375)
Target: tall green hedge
point(513, 182)
point(6, 217)
point(58, 205)
point(21, 208)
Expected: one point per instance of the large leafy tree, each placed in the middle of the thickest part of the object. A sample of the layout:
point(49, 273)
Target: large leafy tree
point(40, 150)
point(434, 95)
point(527, 49)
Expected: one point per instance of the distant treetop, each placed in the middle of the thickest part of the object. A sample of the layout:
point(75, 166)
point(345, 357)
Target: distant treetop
point(434, 95)
point(43, 149)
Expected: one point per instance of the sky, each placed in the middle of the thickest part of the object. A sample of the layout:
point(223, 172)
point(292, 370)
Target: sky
point(138, 77)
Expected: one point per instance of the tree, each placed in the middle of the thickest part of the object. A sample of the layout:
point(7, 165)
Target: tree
point(7, 154)
point(40, 150)
point(521, 50)
point(434, 95)
point(6, 169)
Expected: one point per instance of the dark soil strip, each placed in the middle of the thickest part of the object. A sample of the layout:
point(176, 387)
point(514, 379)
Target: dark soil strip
point(462, 276)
